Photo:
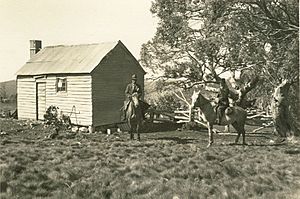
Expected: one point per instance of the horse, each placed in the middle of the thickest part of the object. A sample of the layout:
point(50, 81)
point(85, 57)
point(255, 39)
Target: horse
point(134, 116)
point(236, 116)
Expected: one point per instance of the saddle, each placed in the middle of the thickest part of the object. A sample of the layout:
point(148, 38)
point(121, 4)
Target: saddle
point(220, 112)
point(144, 105)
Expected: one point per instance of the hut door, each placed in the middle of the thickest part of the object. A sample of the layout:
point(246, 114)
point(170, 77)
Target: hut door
point(40, 100)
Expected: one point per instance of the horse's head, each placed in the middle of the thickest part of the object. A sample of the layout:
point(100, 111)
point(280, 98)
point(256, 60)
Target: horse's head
point(198, 100)
point(135, 99)
point(133, 112)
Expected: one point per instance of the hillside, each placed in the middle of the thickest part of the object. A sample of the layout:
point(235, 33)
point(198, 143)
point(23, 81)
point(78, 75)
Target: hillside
point(8, 89)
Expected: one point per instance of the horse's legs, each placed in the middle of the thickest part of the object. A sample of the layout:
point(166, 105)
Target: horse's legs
point(237, 137)
point(210, 134)
point(131, 134)
point(131, 130)
point(244, 136)
point(240, 130)
point(227, 129)
point(138, 132)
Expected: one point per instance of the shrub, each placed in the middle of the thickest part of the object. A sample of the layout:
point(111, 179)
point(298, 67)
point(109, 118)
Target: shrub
point(52, 118)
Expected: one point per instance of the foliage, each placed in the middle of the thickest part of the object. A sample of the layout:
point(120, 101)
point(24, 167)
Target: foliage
point(199, 40)
point(160, 94)
point(53, 118)
point(51, 115)
point(166, 102)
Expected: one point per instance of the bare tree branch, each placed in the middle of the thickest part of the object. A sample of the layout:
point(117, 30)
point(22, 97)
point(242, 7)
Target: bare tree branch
point(182, 98)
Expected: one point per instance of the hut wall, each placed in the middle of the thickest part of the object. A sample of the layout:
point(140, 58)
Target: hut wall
point(109, 81)
point(26, 98)
point(76, 101)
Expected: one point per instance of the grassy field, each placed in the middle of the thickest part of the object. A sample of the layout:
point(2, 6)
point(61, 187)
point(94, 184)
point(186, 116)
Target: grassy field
point(171, 164)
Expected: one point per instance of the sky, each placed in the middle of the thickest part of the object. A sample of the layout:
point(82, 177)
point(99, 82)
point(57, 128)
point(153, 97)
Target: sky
point(58, 22)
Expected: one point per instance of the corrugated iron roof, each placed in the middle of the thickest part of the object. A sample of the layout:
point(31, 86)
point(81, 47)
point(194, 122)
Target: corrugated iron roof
point(67, 59)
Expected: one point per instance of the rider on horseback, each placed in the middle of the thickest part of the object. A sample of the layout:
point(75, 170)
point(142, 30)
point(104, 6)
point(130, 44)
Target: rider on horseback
point(132, 88)
point(223, 101)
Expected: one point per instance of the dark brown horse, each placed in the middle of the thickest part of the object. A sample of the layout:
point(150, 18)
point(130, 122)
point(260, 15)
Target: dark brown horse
point(134, 116)
point(236, 116)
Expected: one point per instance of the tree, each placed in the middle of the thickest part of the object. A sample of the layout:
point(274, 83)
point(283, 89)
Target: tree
point(283, 122)
point(199, 40)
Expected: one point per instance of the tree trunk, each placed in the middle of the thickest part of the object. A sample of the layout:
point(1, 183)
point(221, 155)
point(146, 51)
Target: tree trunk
point(239, 96)
point(283, 122)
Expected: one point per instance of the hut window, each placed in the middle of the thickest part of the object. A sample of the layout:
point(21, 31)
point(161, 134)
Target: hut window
point(61, 84)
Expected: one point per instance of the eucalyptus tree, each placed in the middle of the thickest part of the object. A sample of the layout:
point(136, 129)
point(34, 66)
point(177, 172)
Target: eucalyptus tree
point(199, 40)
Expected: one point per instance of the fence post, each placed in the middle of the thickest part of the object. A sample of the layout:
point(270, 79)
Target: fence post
point(190, 114)
point(151, 113)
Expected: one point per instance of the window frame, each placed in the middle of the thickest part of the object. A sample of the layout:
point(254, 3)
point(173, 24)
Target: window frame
point(64, 82)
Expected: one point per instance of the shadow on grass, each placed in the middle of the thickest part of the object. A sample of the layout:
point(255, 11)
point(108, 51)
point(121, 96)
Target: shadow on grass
point(255, 144)
point(292, 151)
point(266, 136)
point(279, 144)
point(159, 127)
point(178, 140)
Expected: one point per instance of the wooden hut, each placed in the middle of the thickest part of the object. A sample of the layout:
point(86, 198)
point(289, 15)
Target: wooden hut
point(86, 82)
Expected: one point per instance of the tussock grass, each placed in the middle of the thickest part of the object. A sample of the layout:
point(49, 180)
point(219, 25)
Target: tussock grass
point(163, 165)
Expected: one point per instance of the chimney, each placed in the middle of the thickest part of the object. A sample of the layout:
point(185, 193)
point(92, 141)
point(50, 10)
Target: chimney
point(35, 47)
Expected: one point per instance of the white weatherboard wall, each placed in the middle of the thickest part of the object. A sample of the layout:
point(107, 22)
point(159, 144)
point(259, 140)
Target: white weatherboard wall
point(26, 98)
point(78, 95)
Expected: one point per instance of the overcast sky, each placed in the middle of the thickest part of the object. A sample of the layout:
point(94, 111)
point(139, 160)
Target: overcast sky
point(58, 22)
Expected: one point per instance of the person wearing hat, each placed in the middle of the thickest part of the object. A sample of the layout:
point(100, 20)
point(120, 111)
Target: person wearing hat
point(131, 88)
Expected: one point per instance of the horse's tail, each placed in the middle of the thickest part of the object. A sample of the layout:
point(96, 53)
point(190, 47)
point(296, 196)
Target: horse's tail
point(229, 110)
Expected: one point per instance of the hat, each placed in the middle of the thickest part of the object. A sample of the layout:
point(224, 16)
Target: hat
point(134, 76)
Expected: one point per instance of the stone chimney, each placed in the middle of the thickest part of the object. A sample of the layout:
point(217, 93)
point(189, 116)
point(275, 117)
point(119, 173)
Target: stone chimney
point(35, 47)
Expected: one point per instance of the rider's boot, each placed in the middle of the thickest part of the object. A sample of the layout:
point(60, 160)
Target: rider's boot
point(219, 118)
point(123, 118)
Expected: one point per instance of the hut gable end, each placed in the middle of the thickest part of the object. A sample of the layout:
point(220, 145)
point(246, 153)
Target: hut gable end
point(109, 80)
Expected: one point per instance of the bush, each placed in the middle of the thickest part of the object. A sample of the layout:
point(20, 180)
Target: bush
point(168, 102)
point(160, 95)
point(52, 118)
